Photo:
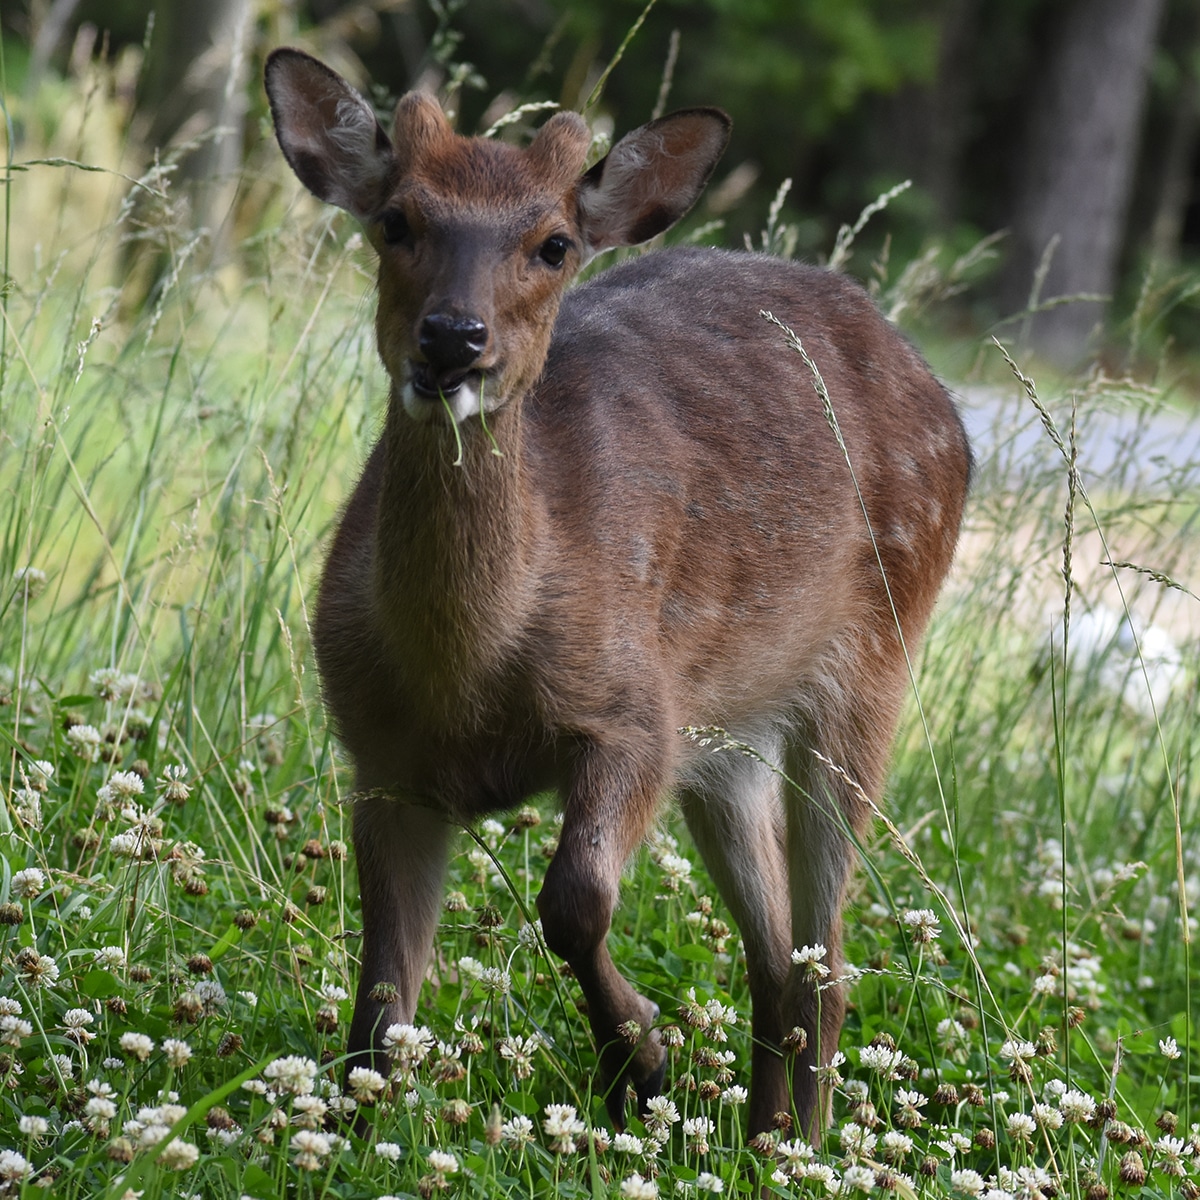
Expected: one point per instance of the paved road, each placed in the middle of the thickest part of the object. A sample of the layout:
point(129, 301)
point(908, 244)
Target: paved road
point(1128, 445)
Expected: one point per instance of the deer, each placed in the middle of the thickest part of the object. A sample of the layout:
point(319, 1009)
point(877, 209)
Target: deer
point(597, 517)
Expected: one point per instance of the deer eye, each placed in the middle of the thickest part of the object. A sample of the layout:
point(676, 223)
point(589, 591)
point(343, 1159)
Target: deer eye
point(395, 227)
point(554, 250)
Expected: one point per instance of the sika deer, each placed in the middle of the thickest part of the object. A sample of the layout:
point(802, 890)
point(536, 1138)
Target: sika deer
point(651, 526)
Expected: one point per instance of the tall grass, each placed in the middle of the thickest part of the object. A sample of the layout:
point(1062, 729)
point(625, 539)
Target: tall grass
point(177, 902)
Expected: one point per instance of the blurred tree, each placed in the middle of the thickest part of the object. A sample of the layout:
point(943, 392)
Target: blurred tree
point(1076, 169)
point(195, 95)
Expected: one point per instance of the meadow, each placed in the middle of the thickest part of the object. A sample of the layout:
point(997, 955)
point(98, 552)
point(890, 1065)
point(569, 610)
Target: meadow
point(178, 908)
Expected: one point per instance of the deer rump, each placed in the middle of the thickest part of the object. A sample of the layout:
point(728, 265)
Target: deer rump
point(653, 520)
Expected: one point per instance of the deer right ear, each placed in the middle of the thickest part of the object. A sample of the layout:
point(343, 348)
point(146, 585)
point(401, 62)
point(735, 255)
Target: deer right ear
point(651, 177)
point(328, 133)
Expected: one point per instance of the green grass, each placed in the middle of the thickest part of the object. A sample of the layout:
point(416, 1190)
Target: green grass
point(170, 470)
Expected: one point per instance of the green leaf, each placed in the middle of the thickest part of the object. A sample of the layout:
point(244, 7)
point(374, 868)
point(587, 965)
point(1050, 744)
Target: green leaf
point(99, 984)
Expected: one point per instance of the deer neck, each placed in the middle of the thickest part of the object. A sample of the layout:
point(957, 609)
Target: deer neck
point(453, 549)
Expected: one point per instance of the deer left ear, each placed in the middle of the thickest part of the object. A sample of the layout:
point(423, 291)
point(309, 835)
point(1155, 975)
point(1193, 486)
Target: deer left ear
point(328, 133)
point(651, 177)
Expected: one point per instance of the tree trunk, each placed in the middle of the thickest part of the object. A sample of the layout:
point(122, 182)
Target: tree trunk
point(196, 92)
point(1077, 169)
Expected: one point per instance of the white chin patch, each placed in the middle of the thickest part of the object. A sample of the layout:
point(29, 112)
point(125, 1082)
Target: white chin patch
point(460, 404)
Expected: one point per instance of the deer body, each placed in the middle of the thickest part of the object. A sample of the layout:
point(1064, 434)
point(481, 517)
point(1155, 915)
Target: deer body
point(657, 529)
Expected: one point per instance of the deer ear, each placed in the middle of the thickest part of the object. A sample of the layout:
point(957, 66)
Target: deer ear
point(651, 177)
point(328, 133)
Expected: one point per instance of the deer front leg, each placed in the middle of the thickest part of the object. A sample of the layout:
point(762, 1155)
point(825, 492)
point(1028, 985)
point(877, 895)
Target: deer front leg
point(401, 853)
point(607, 811)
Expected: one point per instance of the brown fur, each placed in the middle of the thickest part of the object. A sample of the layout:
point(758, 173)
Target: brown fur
point(668, 536)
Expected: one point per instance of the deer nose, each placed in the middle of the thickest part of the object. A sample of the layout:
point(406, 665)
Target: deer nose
point(452, 343)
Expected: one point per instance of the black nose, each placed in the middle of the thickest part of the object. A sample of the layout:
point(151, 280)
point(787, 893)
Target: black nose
point(452, 343)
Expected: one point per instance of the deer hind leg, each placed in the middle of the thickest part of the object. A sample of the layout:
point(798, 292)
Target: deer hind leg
point(851, 719)
point(736, 818)
point(607, 811)
point(401, 854)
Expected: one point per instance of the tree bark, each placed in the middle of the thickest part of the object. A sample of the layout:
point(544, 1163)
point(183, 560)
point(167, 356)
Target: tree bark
point(196, 91)
point(1077, 170)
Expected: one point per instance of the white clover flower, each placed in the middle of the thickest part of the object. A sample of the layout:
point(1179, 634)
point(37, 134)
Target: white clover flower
point(407, 1045)
point(1015, 1049)
point(178, 1053)
point(627, 1143)
point(365, 1085)
point(127, 845)
point(39, 972)
point(469, 968)
point(856, 1141)
point(27, 804)
point(179, 1156)
point(822, 1174)
point(1047, 1116)
point(333, 994)
point(1045, 985)
point(517, 1132)
point(441, 1162)
point(661, 1111)
point(75, 1022)
point(857, 1178)
point(810, 958)
point(13, 1029)
point(719, 1015)
point(492, 832)
point(97, 1113)
point(697, 1130)
point(310, 1149)
point(495, 980)
point(676, 869)
point(31, 582)
point(951, 1032)
point(529, 936)
point(28, 883)
point(137, 1045)
point(562, 1125)
point(923, 924)
point(111, 958)
point(708, 1182)
point(122, 786)
point(1021, 1127)
point(956, 1143)
point(885, 1062)
point(1169, 1048)
point(14, 1167)
point(292, 1073)
point(637, 1188)
point(1053, 1090)
point(519, 1053)
point(1168, 1155)
point(897, 1143)
point(85, 742)
point(33, 1126)
point(966, 1181)
point(174, 785)
point(211, 994)
point(390, 1151)
point(735, 1095)
point(39, 774)
point(1077, 1106)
